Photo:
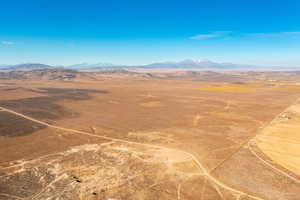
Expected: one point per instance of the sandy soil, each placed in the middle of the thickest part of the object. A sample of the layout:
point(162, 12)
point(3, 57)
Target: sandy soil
point(146, 139)
point(281, 140)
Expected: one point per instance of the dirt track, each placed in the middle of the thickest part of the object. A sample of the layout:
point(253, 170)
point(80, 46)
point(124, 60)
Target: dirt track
point(248, 142)
point(252, 142)
point(200, 166)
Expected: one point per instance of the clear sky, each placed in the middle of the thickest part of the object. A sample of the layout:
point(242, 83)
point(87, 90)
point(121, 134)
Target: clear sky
point(264, 32)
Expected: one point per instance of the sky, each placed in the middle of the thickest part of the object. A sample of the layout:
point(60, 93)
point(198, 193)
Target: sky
point(133, 32)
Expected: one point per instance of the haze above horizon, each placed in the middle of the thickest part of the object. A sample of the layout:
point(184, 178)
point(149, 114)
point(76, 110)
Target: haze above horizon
point(142, 32)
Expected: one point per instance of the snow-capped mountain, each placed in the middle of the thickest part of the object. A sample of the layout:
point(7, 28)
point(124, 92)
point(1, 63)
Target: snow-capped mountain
point(93, 66)
point(197, 64)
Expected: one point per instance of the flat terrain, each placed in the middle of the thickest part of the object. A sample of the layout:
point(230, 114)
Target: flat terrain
point(116, 137)
point(281, 140)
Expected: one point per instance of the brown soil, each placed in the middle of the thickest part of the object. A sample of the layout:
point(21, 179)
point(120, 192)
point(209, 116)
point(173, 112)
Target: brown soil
point(169, 140)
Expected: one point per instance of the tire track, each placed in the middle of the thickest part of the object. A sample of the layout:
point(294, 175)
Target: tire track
point(199, 164)
point(270, 165)
point(245, 143)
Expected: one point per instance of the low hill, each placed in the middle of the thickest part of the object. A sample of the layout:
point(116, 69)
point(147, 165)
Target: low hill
point(27, 66)
point(44, 74)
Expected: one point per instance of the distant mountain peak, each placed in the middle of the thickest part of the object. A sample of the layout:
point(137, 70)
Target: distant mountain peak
point(196, 60)
point(198, 64)
point(92, 66)
point(26, 66)
point(187, 64)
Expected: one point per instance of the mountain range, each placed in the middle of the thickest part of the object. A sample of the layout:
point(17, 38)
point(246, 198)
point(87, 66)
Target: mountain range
point(187, 64)
point(27, 66)
point(197, 64)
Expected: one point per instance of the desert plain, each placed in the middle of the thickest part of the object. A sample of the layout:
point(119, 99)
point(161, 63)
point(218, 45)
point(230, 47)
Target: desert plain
point(135, 136)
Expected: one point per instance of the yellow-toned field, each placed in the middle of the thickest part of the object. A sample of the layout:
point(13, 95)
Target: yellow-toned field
point(281, 140)
point(151, 104)
point(289, 87)
point(230, 88)
point(252, 87)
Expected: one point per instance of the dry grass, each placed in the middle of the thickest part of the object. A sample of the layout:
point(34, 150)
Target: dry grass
point(174, 114)
point(152, 104)
point(230, 88)
point(253, 87)
point(281, 140)
point(187, 167)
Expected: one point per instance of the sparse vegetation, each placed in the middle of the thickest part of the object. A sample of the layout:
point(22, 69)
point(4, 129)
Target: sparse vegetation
point(115, 138)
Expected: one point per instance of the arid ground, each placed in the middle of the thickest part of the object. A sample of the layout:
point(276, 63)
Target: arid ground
point(119, 137)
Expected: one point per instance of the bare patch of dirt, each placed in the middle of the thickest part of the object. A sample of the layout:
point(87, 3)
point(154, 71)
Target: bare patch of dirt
point(109, 171)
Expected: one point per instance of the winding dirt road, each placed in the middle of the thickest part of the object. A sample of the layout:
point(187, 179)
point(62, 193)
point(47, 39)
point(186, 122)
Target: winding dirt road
point(202, 169)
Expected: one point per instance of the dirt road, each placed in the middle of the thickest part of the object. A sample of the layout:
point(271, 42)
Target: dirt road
point(200, 166)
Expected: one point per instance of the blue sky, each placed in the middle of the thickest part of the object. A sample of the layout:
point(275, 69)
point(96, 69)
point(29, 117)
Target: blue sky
point(264, 32)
